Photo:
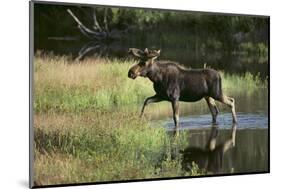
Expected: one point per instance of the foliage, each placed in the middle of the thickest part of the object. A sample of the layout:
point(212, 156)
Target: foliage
point(86, 129)
point(81, 136)
point(63, 85)
point(103, 146)
point(139, 24)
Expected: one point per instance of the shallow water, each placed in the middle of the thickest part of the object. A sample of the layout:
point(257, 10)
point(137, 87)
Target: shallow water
point(224, 148)
point(224, 121)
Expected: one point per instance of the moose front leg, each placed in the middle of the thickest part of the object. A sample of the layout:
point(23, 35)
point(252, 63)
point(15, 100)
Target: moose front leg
point(149, 100)
point(175, 105)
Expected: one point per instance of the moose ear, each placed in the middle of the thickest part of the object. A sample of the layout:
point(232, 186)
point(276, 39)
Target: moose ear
point(154, 54)
point(136, 52)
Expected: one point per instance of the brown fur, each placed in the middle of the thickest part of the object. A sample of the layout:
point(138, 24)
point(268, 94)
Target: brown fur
point(173, 82)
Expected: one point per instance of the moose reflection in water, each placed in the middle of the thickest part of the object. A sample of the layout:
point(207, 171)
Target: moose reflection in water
point(210, 158)
point(172, 82)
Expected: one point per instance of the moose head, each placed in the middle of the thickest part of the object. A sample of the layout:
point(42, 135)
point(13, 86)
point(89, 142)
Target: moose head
point(145, 60)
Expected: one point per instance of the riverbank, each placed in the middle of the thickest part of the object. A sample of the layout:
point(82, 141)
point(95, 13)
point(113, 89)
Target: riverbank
point(86, 131)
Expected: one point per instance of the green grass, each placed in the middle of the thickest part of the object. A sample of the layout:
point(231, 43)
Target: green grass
point(246, 83)
point(82, 135)
point(102, 146)
point(101, 84)
point(66, 86)
point(87, 129)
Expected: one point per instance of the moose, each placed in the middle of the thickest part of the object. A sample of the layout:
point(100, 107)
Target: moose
point(172, 82)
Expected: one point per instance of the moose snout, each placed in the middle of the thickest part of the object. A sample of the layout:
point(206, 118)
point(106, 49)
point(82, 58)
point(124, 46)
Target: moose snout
point(131, 74)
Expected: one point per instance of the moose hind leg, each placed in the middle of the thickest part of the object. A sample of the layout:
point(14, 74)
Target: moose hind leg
point(213, 108)
point(231, 103)
point(149, 100)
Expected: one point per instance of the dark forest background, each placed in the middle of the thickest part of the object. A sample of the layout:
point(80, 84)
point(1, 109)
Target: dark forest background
point(234, 43)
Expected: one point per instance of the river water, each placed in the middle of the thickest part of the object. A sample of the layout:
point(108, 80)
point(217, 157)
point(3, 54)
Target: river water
point(223, 148)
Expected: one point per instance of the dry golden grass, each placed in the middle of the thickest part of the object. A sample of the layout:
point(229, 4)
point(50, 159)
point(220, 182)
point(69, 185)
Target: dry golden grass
point(66, 85)
point(91, 73)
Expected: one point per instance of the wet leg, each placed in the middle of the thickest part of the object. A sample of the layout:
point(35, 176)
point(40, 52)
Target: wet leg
point(231, 103)
point(213, 108)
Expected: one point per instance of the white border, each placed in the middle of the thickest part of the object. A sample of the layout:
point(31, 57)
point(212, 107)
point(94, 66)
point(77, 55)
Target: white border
point(14, 92)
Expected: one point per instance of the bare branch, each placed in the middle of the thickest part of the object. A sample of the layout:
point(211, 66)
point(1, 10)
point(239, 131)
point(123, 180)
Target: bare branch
point(105, 20)
point(86, 31)
point(96, 23)
point(87, 45)
point(87, 48)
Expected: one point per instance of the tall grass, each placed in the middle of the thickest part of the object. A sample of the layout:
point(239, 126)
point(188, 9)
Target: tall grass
point(83, 133)
point(101, 146)
point(247, 83)
point(62, 85)
point(80, 136)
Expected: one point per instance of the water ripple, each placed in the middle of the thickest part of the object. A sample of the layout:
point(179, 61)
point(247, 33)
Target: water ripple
point(245, 121)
